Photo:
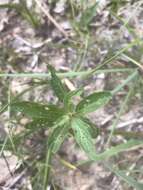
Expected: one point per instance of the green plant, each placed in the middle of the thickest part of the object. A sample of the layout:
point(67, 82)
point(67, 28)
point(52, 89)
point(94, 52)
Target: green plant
point(63, 120)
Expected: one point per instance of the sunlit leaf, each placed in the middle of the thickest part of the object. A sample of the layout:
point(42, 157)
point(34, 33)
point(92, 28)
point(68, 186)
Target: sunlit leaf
point(115, 150)
point(83, 136)
point(37, 110)
point(93, 102)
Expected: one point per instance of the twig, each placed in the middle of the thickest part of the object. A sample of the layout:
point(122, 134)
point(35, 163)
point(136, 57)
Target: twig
point(17, 178)
point(51, 18)
point(130, 122)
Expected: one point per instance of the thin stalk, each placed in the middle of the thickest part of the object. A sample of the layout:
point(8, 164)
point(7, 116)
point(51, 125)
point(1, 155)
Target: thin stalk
point(47, 168)
point(69, 74)
point(117, 54)
point(19, 95)
point(129, 134)
point(80, 63)
point(133, 61)
point(120, 111)
point(130, 78)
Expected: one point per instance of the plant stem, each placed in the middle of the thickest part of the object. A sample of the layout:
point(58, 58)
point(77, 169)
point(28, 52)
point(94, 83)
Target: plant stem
point(70, 74)
point(126, 134)
point(47, 168)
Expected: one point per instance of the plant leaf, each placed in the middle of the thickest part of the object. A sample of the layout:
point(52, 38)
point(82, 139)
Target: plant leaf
point(40, 123)
point(37, 110)
point(83, 137)
point(57, 137)
point(93, 102)
point(93, 130)
point(113, 151)
point(128, 179)
point(56, 84)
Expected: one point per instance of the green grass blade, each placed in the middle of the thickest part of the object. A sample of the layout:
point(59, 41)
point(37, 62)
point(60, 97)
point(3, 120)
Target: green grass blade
point(122, 108)
point(116, 55)
point(69, 74)
point(130, 78)
point(128, 179)
point(133, 61)
point(113, 151)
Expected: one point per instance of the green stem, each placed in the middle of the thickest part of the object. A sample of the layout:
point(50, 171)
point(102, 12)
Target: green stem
point(130, 78)
point(126, 134)
point(70, 74)
point(4, 108)
point(129, 134)
point(47, 168)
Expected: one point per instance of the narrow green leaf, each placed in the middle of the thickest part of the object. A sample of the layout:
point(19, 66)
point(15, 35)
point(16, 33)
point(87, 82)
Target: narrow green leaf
point(128, 179)
point(83, 137)
point(113, 151)
point(56, 84)
point(36, 110)
point(57, 137)
point(93, 102)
